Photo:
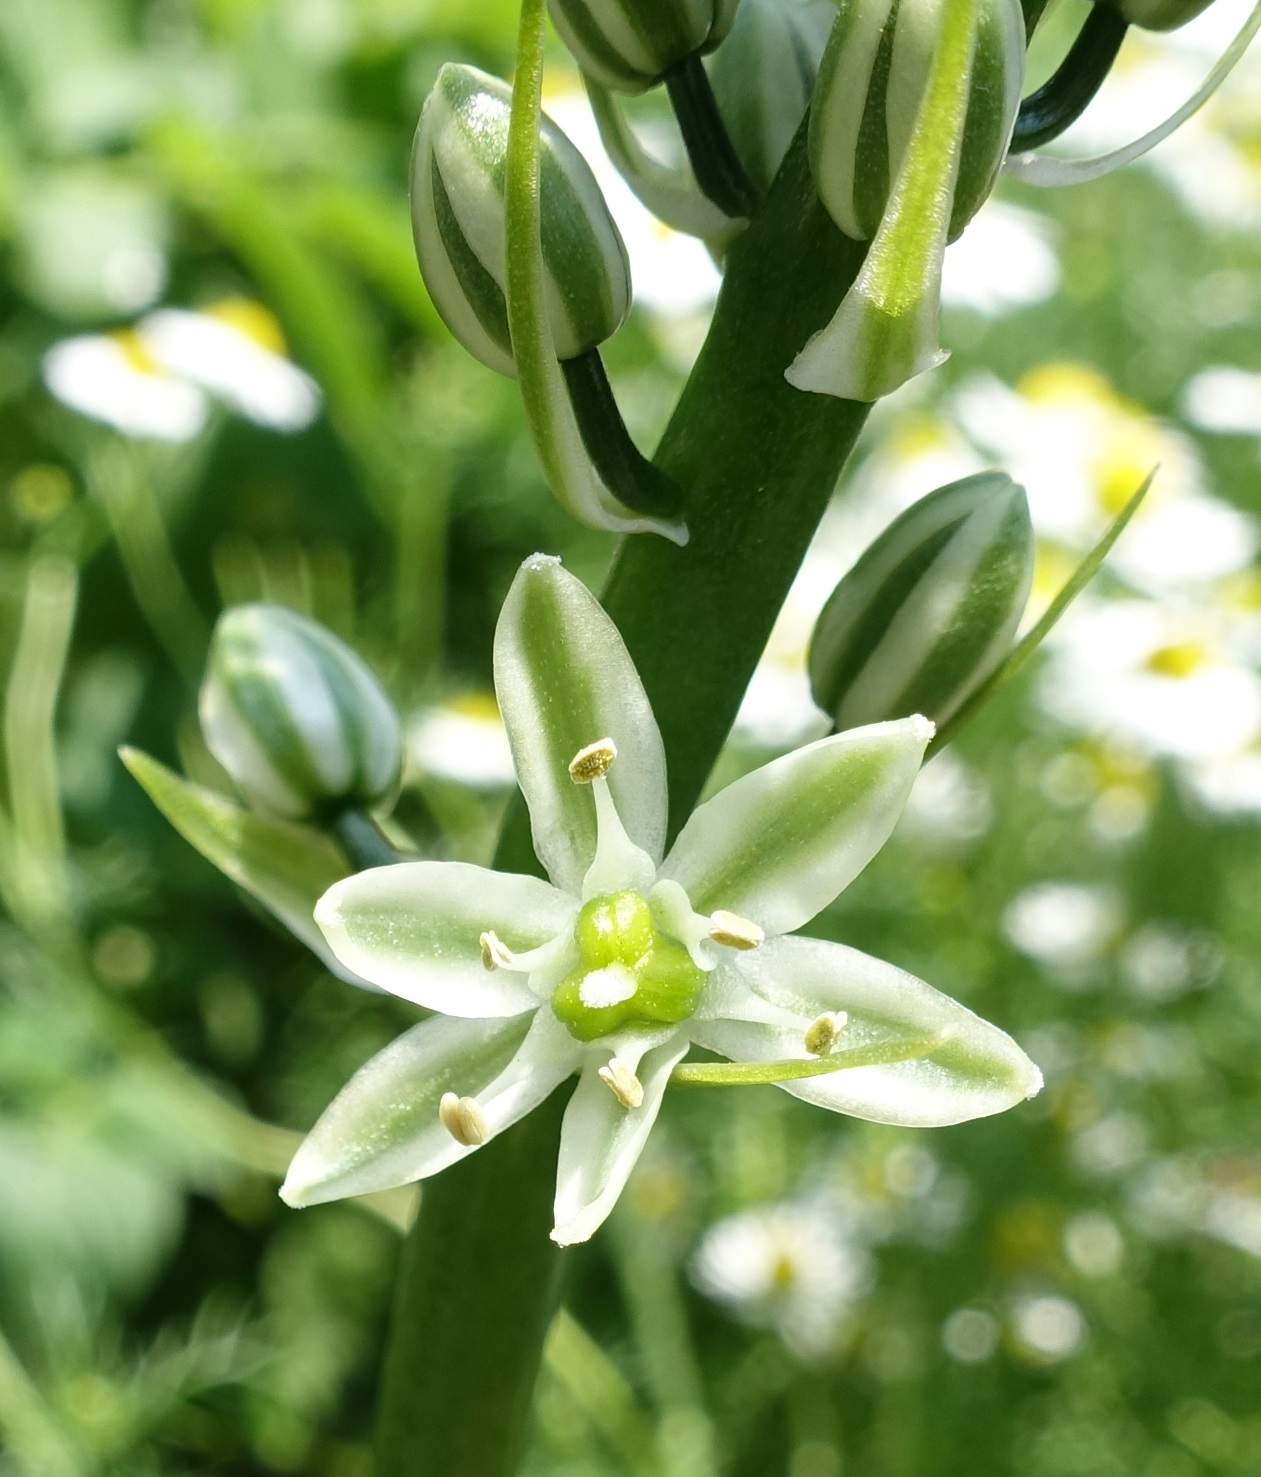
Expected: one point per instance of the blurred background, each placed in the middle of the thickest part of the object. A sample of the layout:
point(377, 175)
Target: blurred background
point(221, 380)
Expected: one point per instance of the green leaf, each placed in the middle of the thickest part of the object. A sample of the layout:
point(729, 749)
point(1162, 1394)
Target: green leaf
point(1038, 633)
point(285, 866)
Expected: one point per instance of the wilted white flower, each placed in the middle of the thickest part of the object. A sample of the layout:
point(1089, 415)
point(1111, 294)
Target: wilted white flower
point(787, 1267)
point(628, 957)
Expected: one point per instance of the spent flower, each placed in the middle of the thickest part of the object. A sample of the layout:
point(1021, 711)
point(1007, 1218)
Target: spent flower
point(632, 953)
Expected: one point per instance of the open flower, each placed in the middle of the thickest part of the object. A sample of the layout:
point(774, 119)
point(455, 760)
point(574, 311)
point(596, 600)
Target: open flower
point(630, 956)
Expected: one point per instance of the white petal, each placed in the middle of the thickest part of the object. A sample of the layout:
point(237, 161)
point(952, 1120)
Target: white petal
point(601, 1140)
point(976, 1071)
point(778, 845)
point(565, 680)
point(383, 1128)
point(415, 930)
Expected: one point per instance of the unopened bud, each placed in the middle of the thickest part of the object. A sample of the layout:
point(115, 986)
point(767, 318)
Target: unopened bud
point(1159, 15)
point(929, 611)
point(295, 716)
point(458, 177)
point(628, 44)
point(872, 80)
point(763, 75)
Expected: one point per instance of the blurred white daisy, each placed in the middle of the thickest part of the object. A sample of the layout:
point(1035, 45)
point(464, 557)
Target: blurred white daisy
point(787, 1267)
point(149, 380)
point(236, 350)
point(114, 378)
point(1225, 400)
point(462, 740)
point(1005, 260)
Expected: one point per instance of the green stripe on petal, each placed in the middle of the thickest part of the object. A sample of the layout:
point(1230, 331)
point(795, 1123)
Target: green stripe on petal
point(415, 930)
point(565, 680)
point(779, 844)
point(601, 1141)
point(930, 608)
point(975, 1071)
point(383, 1128)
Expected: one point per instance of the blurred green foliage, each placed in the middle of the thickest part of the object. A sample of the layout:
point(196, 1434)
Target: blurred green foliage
point(162, 1043)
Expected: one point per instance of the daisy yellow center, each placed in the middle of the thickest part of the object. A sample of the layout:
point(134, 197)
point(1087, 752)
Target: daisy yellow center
point(629, 973)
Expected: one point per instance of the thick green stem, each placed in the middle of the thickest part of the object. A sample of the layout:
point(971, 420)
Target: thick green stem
point(759, 461)
point(476, 1291)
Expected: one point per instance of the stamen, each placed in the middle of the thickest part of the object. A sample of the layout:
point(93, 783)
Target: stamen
point(622, 1083)
point(463, 1119)
point(821, 1034)
point(495, 953)
point(593, 762)
point(733, 931)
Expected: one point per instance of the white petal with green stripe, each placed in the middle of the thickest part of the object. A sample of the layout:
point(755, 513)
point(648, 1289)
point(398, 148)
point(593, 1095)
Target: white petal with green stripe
point(930, 610)
point(963, 1068)
point(779, 844)
point(628, 44)
point(458, 178)
point(295, 716)
point(383, 1128)
point(565, 680)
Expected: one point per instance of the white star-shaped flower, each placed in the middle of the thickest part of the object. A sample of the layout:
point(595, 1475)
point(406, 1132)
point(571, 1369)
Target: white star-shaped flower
point(633, 953)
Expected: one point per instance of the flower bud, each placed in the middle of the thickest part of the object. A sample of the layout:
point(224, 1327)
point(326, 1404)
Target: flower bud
point(458, 173)
point(295, 716)
point(871, 82)
point(930, 609)
point(628, 44)
point(1158, 15)
point(763, 76)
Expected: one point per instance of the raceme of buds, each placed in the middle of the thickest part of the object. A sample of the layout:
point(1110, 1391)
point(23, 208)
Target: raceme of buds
point(295, 716)
point(929, 611)
point(458, 174)
point(1159, 15)
point(871, 82)
point(763, 76)
point(628, 44)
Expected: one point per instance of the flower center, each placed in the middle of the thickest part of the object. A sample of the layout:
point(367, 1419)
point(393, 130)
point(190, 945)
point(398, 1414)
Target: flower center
point(628, 971)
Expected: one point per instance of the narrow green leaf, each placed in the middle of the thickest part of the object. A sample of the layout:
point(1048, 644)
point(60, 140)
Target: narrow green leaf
point(1037, 633)
point(285, 866)
point(792, 1069)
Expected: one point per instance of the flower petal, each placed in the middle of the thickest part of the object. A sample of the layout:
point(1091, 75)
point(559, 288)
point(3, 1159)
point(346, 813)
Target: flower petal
point(415, 930)
point(565, 680)
point(977, 1070)
point(601, 1141)
point(383, 1128)
point(778, 845)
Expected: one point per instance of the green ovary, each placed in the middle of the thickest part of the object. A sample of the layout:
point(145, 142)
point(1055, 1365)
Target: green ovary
point(622, 954)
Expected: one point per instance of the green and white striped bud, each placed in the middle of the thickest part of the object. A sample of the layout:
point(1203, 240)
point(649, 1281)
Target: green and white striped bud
point(763, 76)
point(458, 175)
point(296, 717)
point(930, 609)
point(628, 44)
point(1158, 15)
point(871, 82)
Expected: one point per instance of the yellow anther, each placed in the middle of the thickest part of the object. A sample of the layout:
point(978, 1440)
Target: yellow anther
point(821, 1034)
point(463, 1119)
point(495, 953)
point(733, 931)
point(622, 1083)
point(593, 762)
